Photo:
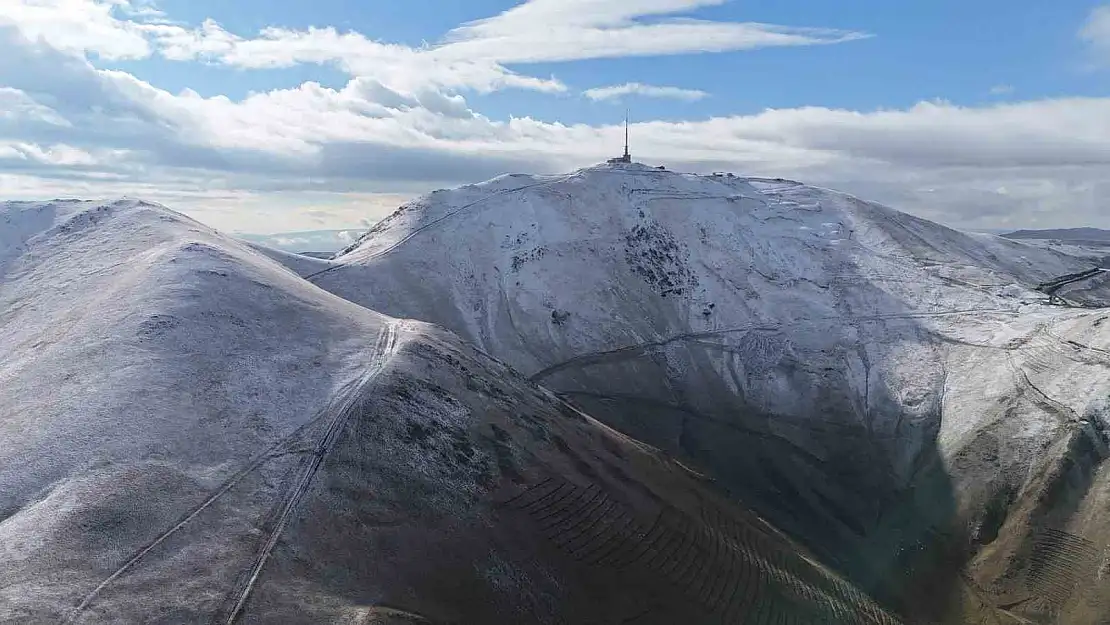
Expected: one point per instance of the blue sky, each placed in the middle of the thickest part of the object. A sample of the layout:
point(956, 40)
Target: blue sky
point(978, 114)
point(946, 49)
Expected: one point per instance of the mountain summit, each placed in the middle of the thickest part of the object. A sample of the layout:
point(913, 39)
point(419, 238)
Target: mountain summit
point(883, 387)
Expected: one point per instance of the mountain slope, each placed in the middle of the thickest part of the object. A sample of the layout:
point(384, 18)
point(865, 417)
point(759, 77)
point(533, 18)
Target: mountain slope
point(193, 433)
point(875, 383)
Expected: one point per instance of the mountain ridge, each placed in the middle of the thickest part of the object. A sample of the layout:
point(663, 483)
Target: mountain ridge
point(193, 433)
point(1063, 234)
point(852, 350)
point(893, 394)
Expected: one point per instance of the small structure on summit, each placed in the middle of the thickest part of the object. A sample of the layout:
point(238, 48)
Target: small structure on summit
point(626, 157)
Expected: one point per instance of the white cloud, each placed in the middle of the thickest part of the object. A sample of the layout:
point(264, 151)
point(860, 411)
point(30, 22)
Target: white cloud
point(177, 43)
point(471, 57)
point(84, 26)
point(400, 67)
point(400, 125)
point(1002, 89)
point(141, 9)
point(651, 91)
point(367, 138)
point(578, 13)
point(16, 106)
point(55, 155)
point(563, 30)
point(1096, 31)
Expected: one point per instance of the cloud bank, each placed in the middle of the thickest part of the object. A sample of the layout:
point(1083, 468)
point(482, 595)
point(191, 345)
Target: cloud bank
point(402, 124)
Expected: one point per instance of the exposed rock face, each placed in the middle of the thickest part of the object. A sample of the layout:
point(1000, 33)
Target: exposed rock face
point(895, 393)
point(192, 433)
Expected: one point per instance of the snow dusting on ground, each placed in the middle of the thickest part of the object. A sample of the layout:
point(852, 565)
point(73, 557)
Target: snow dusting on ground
point(191, 432)
point(863, 378)
point(816, 352)
point(543, 271)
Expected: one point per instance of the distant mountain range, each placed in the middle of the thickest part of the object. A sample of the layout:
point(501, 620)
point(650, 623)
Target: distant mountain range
point(321, 243)
point(1063, 234)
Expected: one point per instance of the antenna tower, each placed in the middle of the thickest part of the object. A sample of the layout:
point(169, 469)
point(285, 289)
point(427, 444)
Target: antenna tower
point(627, 156)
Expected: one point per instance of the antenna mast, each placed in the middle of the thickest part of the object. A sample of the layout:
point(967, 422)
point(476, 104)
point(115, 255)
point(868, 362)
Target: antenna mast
point(627, 156)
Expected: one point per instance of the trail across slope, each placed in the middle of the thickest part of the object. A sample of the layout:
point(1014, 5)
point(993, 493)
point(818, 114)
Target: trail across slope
point(383, 351)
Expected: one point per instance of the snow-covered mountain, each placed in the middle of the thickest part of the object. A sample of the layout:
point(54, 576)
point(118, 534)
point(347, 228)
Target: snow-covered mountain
point(898, 394)
point(194, 430)
point(1091, 244)
point(190, 432)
